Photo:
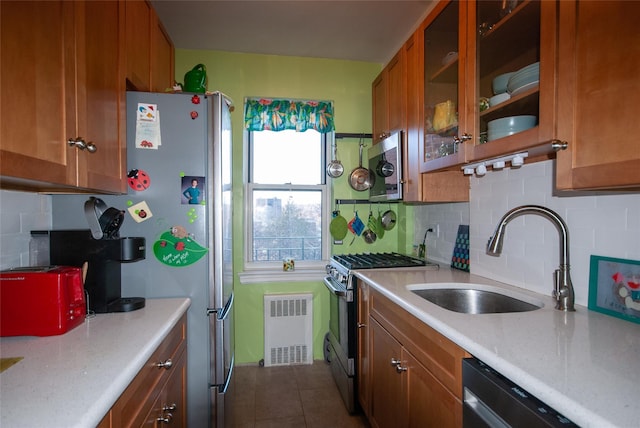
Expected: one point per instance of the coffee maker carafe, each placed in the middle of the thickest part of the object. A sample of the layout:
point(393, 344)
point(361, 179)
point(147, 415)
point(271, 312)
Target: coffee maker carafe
point(104, 251)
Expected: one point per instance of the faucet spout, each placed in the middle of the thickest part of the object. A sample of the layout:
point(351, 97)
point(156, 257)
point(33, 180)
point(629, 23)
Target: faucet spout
point(563, 287)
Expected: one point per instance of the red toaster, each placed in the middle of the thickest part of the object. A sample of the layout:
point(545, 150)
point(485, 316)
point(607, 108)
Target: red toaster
point(41, 301)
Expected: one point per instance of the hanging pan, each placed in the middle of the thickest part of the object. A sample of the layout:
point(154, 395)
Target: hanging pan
point(360, 179)
point(335, 168)
point(388, 219)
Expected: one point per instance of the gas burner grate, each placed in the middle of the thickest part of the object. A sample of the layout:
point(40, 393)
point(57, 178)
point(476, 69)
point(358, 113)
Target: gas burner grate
point(377, 260)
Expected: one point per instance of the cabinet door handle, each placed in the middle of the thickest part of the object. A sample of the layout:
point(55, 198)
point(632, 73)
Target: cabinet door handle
point(165, 365)
point(558, 145)
point(170, 408)
point(459, 140)
point(361, 325)
point(79, 143)
point(165, 418)
point(398, 365)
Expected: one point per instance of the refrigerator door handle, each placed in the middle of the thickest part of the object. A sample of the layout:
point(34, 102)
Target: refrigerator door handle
point(222, 389)
point(222, 313)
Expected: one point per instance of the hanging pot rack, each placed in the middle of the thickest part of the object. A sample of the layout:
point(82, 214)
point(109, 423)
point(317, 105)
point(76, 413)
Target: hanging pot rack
point(340, 135)
point(362, 201)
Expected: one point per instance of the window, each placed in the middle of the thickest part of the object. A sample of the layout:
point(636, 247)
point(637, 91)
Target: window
point(287, 199)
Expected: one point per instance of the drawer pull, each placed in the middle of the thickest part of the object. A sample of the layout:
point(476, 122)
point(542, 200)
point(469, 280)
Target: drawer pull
point(166, 365)
point(165, 418)
point(169, 408)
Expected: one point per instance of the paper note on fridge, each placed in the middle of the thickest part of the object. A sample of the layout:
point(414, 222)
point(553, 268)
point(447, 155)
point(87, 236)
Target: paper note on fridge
point(148, 127)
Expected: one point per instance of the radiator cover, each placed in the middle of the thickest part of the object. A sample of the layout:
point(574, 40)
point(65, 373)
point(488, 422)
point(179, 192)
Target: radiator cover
point(288, 329)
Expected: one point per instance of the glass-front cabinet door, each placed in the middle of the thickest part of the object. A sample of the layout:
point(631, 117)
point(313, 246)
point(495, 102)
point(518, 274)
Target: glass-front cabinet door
point(445, 118)
point(512, 48)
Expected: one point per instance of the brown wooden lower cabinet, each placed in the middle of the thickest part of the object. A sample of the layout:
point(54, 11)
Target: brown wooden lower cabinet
point(363, 363)
point(157, 395)
point(169, 409)
point(415, 374)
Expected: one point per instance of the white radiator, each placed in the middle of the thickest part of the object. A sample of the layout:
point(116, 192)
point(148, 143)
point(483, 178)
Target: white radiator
point(288, 326)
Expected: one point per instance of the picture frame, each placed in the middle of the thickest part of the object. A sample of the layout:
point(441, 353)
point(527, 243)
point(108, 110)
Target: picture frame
point(614, 287)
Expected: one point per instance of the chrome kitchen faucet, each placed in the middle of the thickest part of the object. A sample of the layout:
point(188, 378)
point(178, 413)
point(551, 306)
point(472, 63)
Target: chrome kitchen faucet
point(563, 288)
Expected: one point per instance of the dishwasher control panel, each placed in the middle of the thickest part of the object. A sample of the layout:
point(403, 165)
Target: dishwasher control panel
point(492, 400)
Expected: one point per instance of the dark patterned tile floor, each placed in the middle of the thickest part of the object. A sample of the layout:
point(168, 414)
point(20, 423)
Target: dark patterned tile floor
point(302, 396)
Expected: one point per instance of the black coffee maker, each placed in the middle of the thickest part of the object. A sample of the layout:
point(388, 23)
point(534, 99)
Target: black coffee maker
point(103, 250)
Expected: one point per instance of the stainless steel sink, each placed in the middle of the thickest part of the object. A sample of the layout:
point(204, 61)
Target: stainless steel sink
point(475, 300)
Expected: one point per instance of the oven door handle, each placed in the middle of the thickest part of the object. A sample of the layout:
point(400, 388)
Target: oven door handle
point(334, 287)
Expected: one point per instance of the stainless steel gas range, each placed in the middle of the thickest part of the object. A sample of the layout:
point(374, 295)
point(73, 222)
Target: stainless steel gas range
point(341, 339)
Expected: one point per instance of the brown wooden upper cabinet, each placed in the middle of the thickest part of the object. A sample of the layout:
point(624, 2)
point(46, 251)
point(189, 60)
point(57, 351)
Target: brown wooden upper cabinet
point(63, 80)
point(389, 95)
point(60, 95)
point(137, 24)
point(466, 46)
point(441, 186)
point(444, 76)
point(162, 57)
point(517, 38)
point(599, 63)
point(570, 75)
point(149, 51)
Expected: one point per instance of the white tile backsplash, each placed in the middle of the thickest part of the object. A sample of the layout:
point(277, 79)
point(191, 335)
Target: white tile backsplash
point(20, 213)
point(598, 224)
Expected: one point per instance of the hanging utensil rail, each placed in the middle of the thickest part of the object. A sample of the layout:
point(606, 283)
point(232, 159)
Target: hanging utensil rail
point(340, 135)
point(361, 201)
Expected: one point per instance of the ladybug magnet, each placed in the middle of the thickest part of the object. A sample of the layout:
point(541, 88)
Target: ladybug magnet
point(140, 212)
point(138, 180)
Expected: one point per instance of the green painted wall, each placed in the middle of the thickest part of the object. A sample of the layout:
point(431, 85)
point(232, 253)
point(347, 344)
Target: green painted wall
point(348, 84)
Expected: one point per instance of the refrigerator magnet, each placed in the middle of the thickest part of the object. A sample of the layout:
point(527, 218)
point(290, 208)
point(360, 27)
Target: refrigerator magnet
point(176, 248)
point(148, 127)
point(192, 189)
point(140, 212)
point(192, 215)
point(138, 180)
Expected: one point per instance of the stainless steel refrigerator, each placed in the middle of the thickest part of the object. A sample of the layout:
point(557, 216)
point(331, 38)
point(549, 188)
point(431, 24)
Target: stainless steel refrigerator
point(172, 140)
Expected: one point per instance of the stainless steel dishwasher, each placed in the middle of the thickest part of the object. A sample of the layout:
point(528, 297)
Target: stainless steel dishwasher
point(491, 400)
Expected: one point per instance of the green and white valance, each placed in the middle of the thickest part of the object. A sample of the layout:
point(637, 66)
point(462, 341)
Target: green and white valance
point(267, 114)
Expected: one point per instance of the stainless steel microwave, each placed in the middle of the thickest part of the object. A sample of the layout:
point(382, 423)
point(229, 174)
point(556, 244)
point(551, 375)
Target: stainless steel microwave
point(385, 163)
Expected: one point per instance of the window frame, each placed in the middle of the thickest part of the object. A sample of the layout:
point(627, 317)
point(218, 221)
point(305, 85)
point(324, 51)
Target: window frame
point(303, 268)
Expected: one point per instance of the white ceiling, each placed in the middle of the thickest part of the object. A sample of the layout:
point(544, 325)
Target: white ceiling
point(358, 30)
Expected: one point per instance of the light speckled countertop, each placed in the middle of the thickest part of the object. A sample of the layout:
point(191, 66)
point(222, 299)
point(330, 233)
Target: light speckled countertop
point(72, 380)
point(583, 364)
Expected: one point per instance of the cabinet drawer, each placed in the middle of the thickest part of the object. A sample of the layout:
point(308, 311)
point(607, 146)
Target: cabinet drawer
point(170, 407)
point(439, 355)
point(137, 400)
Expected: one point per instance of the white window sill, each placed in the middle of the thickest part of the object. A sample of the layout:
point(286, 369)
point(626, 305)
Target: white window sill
point(271, 275)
